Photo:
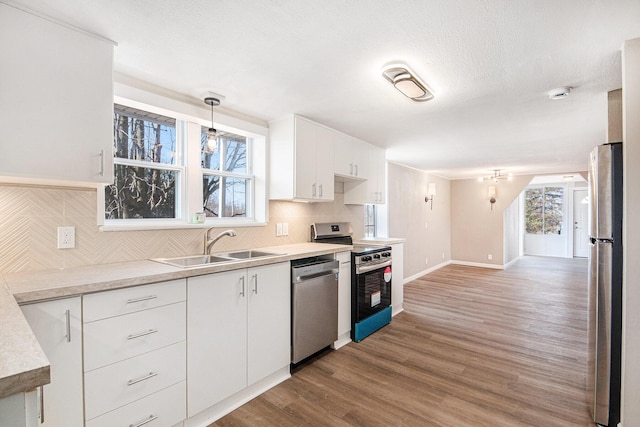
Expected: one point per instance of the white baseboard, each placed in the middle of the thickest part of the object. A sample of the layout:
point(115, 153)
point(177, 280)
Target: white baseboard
point(343, 340)
point(427, 271)
point(513, 261)
point(478, 264)
point(221, 409)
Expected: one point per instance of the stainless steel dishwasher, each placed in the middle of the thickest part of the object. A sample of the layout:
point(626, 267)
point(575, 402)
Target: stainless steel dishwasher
point(314, 305)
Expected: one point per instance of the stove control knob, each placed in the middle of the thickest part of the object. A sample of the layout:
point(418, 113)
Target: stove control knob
point(385, 254)
point(377, 256)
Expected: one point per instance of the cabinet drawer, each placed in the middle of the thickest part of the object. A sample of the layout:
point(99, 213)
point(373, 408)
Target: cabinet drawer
point(121, 383)
point(164, 408)
point(114, 339)
point(122, 301)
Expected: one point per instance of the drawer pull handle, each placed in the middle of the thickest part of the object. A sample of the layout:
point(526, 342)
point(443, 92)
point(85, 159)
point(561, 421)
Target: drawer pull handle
point(142, 334)
point(147, 421)
point(41, 404)
point(146, 377)
point(67, 319)
point(147, 298)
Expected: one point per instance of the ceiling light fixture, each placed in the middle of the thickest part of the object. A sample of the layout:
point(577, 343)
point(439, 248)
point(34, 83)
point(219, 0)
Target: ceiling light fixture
point(496, 177)
point(407, 83)
point(560, 92)
point(212, 133)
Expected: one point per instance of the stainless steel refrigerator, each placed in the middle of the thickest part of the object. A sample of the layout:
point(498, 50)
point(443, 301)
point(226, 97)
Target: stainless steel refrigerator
point(605, 283)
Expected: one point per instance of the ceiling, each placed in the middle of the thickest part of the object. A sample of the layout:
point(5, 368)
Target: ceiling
point(490, 64)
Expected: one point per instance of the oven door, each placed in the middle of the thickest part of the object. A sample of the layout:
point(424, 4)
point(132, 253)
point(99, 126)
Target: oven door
point(371, 290)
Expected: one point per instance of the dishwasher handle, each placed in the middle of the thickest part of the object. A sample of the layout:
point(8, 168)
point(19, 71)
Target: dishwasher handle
point(313, 276)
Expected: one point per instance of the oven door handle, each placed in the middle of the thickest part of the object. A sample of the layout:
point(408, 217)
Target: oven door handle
point(368, 268)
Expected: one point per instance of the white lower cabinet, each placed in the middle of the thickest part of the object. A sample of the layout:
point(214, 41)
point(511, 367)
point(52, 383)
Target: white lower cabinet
point(344, 299)
point(162, 409)
point(238, 331)
point(135, 355)
point(58, 328)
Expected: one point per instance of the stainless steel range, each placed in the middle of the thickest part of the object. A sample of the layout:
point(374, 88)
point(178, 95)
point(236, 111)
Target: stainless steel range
point(370, 278)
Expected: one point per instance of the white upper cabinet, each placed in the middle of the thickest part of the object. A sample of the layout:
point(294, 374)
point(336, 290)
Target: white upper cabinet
point(56, 102)
point(301, 160)
point(373, 189)
point(351, 157)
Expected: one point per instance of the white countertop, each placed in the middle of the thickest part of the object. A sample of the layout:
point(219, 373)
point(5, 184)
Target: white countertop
point(23, 364)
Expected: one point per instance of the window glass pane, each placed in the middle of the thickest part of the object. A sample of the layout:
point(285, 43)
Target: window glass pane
point(139, 135)
point(210, 155)
point(369, 220)
point(553, 201)
point(235, 159)
point(139, 192)
point(533, 210)
point(211, 195)
point(235, 197)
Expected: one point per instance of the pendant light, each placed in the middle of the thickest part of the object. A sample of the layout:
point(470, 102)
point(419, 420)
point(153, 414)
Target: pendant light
point(212, 133)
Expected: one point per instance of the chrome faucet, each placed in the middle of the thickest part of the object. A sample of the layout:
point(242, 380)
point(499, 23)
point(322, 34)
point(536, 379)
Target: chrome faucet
point(208, 243)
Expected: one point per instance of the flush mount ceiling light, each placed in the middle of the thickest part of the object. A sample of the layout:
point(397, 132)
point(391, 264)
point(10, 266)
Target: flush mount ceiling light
point(212, 133)
point(497, 176)
point(560, 92)
point(407, 83)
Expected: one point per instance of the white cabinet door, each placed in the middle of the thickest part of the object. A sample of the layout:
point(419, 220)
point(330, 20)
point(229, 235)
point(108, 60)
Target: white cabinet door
point(301, 156)
point(360, 159)
point(269, 336)
point(373, 189)
point(344, 294)
point(58, 328)
point(377, 178)
point(324, 161)
point(57, 100)
point(343, 152)
point(216, 337)
point(306, 160)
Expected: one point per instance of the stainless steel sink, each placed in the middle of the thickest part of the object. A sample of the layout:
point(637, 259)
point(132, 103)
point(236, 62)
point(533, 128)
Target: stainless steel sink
point(202, 260)
point(247, 254)
point(194, 260)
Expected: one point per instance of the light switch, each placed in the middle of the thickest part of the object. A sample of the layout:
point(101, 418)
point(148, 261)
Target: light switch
point(279, 229)
point(285, 228)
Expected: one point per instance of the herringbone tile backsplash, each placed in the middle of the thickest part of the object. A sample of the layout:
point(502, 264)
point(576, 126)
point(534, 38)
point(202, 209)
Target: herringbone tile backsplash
point(29, 217)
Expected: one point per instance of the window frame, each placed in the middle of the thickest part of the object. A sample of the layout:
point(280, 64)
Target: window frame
point(189, 121)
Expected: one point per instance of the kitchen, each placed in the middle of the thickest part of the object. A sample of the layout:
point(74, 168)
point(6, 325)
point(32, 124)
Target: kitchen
point(440, 226)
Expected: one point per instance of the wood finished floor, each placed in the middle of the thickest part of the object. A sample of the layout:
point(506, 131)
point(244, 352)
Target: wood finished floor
point(474, 347)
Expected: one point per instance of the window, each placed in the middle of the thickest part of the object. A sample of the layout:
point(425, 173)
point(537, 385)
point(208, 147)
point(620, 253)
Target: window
point(369, 220)
point(227, 185)
point(164, 172)
point(146, 167)
point(544, 210)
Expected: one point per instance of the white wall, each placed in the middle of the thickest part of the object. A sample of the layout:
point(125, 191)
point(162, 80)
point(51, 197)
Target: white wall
point(631, 232)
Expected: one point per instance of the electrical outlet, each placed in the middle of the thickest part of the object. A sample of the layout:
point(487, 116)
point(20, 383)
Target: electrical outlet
point(442, 255)
point(489, 257)
point(279, 229)
point(66, 237)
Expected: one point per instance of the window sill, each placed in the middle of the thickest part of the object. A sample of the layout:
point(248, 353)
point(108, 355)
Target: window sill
point(178, 225)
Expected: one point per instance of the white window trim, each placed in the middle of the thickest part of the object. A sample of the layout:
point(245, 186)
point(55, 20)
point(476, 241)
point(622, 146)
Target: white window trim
point(190, 118)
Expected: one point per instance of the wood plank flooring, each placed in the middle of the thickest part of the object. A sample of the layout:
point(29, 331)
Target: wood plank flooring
point(474, 347)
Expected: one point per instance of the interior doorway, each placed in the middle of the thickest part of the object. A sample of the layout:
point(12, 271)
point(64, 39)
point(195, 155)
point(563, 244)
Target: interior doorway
point(580, 224)
point(550, 226)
